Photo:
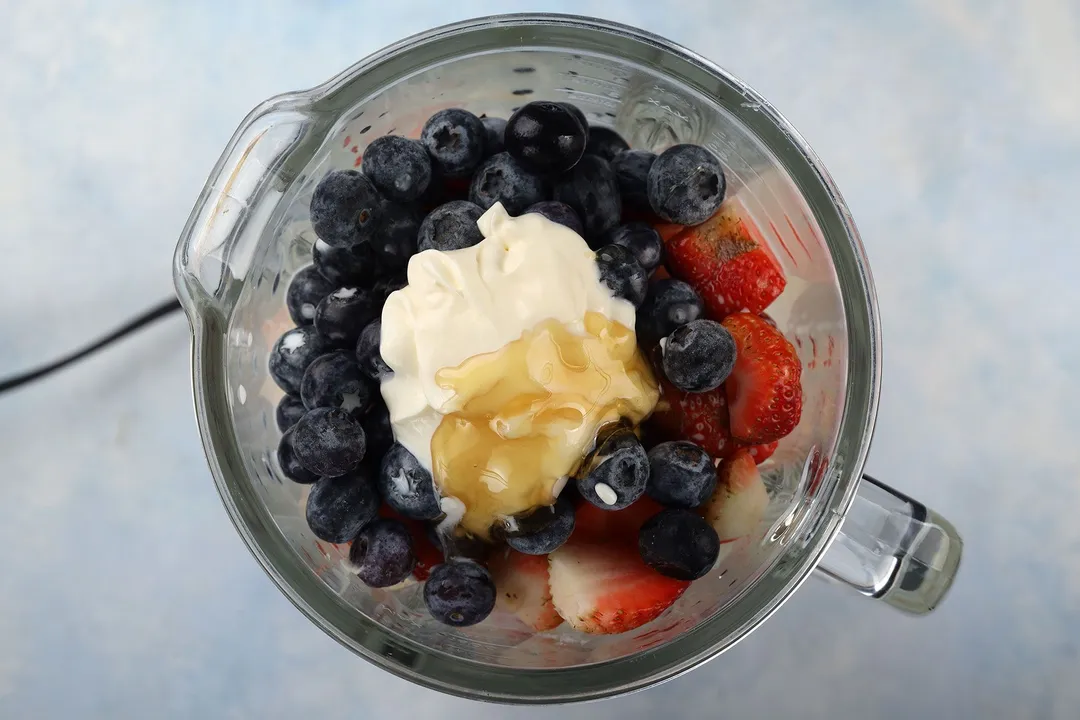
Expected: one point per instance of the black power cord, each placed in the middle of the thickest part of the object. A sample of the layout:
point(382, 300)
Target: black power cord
point(159, 311)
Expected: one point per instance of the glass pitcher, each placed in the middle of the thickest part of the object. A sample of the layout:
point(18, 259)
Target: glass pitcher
point(249, 232)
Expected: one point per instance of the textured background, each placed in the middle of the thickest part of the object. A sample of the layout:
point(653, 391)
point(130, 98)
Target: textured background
point(126, 592)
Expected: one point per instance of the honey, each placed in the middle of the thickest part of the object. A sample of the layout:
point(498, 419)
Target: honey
point(523, 417)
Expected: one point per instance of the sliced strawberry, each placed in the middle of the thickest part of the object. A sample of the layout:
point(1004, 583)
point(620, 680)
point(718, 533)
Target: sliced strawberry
point(701, 418)
point(761, 453)
point(729, 268)
point(522, 588)
point(668, 230)
point(764, 391)
point(606, 588)
point(739, 501)
point(597, 524)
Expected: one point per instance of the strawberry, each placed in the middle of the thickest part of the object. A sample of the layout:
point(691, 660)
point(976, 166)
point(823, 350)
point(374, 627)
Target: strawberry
point(701, 418)
point(729, 268)
point(668, 230)
point(606, 588)
point(739, 501)
point(596, 524)
point(522, 582)
point(763, 391)
point(761, 453)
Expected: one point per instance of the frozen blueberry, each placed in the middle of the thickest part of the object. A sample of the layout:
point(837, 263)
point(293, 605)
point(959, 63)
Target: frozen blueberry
point(398, 167)
point(329, 442)
point(591, 190)
point(368, 356)
point(632, 173)
point(622, 273)
point(686, 185)
point(451, 226)
point(454, 139)
point(395, 242)
point(669, 305)
point(378, 432)
point(306, 291)
point(343, 314)
point(382, 288)
point(334, 381)
point(345, 208)
point(292, 354)
point(616, 473)
point(338, 508)
point(500, 178)
point(679, 544)
point(407, 486)
point(642, 240)
point(290, 409)
point(605, 142)
point(681, 474)
point(699, 356)
point(557, 524)
point(349, 265)
point(459, 592)
point(558, 212)
point(382, 554)
point(494, 132)
point(545, 137)
point(576, 112)
point(290, 466)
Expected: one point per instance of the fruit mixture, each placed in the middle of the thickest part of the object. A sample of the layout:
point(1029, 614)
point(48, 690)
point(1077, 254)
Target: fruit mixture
point(531, 369)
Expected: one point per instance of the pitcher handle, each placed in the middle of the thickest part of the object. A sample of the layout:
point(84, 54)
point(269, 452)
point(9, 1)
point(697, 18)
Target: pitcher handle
point(895, 549)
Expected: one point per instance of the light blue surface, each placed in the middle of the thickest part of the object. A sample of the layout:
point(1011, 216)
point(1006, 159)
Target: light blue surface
point(952, 127)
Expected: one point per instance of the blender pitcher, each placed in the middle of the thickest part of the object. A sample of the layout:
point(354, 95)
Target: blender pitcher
point(249, 233)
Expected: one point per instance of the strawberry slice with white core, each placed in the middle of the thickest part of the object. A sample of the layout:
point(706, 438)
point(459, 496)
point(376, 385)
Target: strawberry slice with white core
point(522, 588)
point(740, 499)
point(606, 588)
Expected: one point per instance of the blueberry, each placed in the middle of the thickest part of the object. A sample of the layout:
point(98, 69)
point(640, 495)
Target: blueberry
point(590, 188)
point(382, 554)
point(686, 185)
point(681, 474)
point(622, 273)
point(459, 592)
point(368, 356)
point(290, 466)
point(407, 486)
point(494, 132)
point(451, 226)
point(395, 242)
point(679, 544)
point(334, 381)
point(558, 212)
point(338, 508)
point(306, 291)
point(398, 167)
point(605, 143)
point(558, 523)
point(290, 409)
point(642, 240)
point(292, 354)
point(501, 178)
point(545, 137)
point(454, 139)
point(632, 173)
point(329, 442)
point(343, 314)
point(378, 432)
point(382, 288)
point(699, 356)
point(576, 112)
point(616, 473)
point(669, 305)
point(345, 208)
point(349, 265)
